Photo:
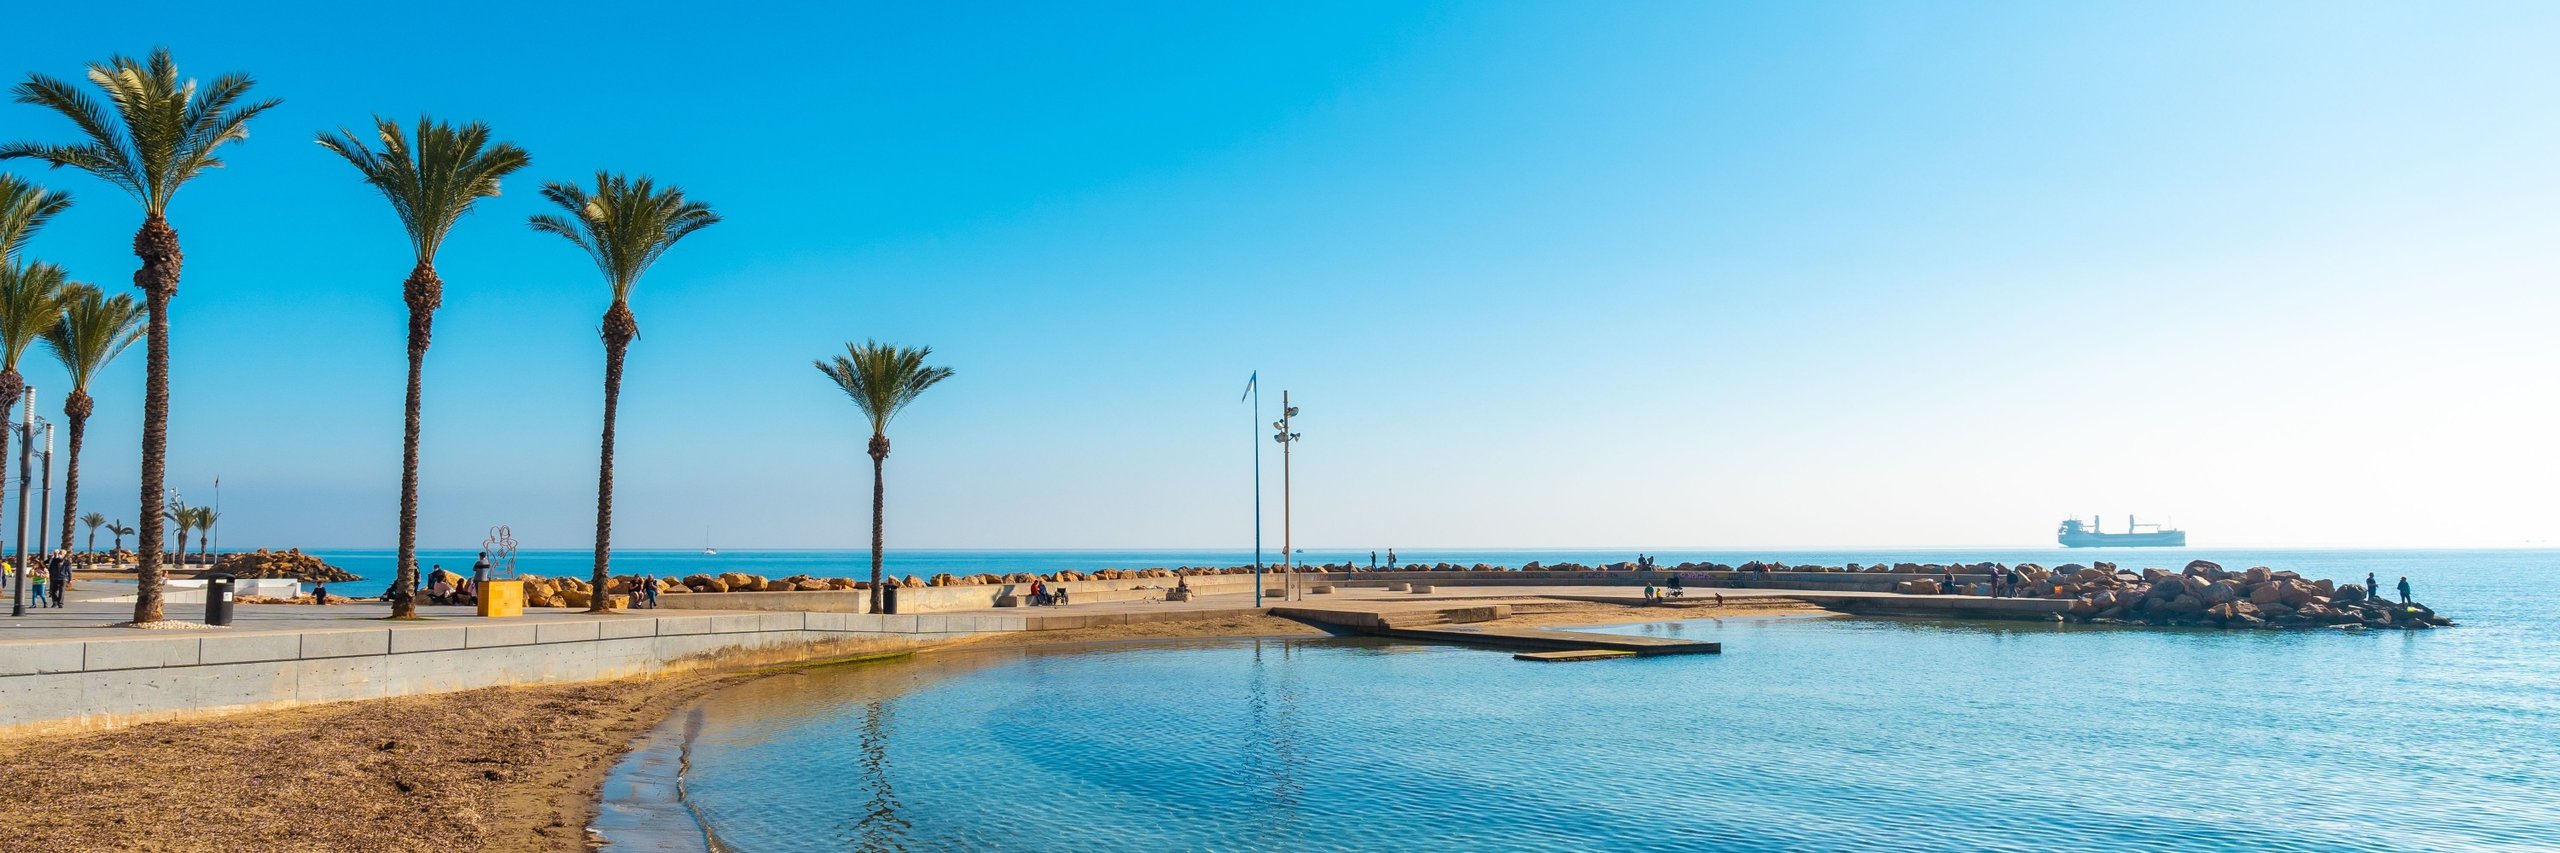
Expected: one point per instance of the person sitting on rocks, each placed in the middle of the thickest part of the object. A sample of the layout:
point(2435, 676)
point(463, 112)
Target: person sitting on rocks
point(439, 592)
point(320, 593)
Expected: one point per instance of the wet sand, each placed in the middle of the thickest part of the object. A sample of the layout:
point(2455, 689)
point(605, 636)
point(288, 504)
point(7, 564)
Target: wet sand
point(508, 768)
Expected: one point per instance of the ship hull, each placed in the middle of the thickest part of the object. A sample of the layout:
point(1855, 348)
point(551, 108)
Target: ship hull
point(2162, 539)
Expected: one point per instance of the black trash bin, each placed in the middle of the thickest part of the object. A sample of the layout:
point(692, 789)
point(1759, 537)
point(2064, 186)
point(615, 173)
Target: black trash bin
point(888, 598)
point(217, 597)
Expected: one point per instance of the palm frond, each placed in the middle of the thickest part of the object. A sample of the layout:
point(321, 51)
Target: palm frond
point(30, 302)
point(625, 225)
point(94, 328)
point(434, 181)
point(25, 207)
point(162, 133)
point(882, 378)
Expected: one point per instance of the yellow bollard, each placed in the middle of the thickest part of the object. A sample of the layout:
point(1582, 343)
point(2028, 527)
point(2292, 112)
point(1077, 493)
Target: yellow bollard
point(502, 598)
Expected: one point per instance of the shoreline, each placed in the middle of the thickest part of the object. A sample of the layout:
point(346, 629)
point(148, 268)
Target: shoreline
point(499, 768)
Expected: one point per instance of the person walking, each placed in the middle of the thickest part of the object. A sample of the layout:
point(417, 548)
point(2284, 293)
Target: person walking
point(1391, 559)
point(1373, 561)
point(2404, 590)
point(60, 569)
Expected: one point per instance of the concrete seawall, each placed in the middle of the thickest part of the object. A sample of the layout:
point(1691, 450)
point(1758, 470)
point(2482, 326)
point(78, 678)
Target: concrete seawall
point(86, 682)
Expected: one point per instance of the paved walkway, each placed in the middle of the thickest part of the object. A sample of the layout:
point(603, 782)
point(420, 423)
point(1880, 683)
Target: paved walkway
point(85, 617)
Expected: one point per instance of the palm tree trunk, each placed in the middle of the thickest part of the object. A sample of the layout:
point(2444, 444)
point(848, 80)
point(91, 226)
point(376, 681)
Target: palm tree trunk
point(424, 293)
point(157, 245)
point(75, 408)
point(619, 328)
point(879, 454)
point(12, 387)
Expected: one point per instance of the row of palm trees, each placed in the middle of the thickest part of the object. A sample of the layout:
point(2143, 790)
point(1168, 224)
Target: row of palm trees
point(84, 328)
point(156, 131)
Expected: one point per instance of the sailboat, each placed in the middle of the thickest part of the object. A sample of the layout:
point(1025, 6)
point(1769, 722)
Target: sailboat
point(707, 550)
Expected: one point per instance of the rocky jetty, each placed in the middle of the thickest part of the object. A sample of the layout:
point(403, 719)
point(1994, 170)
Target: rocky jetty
point(288, 563)
point(2204, 594)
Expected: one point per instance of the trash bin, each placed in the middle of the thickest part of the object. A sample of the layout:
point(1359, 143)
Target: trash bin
point(888, 598)
point(217, 598)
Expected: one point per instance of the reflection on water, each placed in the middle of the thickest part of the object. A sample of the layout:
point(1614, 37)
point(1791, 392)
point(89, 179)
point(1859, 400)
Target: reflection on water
point(1807, 734)
point(880, 829)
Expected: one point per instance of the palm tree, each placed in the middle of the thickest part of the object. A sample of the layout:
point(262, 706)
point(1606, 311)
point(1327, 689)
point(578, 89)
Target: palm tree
point(94, 520)
point(625, 225)
point(881, 379)
point(24, 208)
point(91, 331)
point(182, 517)
point(205, 517)
point(163, 132)
point(30, 303)
point(119, 531)
point(430, 184)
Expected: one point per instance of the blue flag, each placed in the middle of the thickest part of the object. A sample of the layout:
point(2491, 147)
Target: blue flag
point(1248, 385)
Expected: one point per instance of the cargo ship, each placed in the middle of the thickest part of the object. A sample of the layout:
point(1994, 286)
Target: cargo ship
point(2074, 534)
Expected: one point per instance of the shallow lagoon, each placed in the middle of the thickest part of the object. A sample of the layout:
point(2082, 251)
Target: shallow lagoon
point(1810, 733)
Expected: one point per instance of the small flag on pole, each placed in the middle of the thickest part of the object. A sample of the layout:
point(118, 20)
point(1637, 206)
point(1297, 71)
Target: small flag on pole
point(1248, 385)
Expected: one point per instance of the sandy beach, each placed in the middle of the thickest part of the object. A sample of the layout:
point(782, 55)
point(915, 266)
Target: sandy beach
point(510, 768)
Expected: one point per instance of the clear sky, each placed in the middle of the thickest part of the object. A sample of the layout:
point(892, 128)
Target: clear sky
point(1539, 274)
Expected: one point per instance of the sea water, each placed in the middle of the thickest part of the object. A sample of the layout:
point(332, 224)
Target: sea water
point(1808, 733)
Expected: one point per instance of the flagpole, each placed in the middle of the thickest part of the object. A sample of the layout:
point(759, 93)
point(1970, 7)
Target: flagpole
point(1253, 386)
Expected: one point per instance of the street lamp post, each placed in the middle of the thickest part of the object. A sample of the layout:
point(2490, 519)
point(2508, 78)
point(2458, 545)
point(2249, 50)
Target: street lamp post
point(1286, 438)
point(1253, 389)
point(44, 511)
point(26, 427)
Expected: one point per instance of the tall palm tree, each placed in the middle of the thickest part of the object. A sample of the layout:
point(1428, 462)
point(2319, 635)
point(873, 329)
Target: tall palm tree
point(182, 517)
point(91, 331)
point(625, 225)
point(163, 132)
point(94, 520)
point(24, 208)
point(30, 303)
point(881, 379)
point(430, 185)
point(119, 531)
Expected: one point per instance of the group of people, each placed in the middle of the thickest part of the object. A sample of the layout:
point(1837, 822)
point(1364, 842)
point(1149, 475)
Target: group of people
point(1670, 589)
point(443, 590)
point(2373, 588)
point(47, 581)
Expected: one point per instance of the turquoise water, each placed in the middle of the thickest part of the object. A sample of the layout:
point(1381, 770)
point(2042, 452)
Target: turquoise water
point(1809, 733)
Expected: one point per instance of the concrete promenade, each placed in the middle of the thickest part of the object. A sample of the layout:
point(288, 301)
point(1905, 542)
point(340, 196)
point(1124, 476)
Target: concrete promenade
point(70, 668)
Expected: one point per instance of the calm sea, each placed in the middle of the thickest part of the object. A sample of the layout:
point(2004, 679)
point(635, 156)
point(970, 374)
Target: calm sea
point(1809, 733)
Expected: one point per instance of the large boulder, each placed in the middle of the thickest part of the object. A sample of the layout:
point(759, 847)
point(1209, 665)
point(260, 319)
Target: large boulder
point(1917, 586)
point(2348, 594)
point(2266, 593)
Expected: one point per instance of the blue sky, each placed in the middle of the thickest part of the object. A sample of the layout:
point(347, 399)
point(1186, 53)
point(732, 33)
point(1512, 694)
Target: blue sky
point(1539, 274)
